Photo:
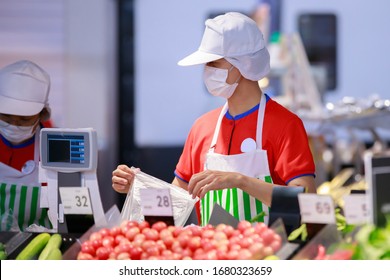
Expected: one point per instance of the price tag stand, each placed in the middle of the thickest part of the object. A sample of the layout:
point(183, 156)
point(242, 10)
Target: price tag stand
point(317, 208)
point(74, 219)
point(355, 209)
point(317, 211)
point(74, 203)
point(157, 205)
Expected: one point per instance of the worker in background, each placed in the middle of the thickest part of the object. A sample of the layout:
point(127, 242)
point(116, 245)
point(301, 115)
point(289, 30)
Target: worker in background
point(236, 154)
point(24, 110)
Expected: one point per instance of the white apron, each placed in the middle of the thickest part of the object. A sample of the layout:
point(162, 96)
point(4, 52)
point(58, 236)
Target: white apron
point(252, 163)
point(20, 193)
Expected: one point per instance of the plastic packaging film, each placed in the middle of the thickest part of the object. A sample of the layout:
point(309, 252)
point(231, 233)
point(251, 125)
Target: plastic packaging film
point(182, 202)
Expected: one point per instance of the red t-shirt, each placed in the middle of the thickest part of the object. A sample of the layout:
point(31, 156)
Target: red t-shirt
point(17, 155)
point(284, 139)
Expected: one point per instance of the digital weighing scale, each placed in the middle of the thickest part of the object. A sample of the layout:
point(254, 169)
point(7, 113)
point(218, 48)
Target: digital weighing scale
point(68, 166)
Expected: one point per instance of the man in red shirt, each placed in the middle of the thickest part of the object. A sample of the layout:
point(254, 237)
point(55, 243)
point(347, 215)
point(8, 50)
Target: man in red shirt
point(236, 154)
point(24, 110)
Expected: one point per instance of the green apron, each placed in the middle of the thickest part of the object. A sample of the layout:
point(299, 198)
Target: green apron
point(252, 162)
point(20, 195)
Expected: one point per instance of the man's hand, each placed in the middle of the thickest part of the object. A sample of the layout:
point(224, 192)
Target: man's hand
point(122, 178)
point(208, 180)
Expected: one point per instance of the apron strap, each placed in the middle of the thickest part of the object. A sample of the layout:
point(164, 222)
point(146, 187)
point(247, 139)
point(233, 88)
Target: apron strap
point(218, 126)
point(259, 129)
point(260, 120)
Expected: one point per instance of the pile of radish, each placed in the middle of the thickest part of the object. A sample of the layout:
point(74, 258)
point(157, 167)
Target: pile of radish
point(338, 254)
point(142, 241)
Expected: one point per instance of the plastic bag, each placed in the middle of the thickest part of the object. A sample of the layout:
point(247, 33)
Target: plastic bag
point(182, 202)
point(9, 221)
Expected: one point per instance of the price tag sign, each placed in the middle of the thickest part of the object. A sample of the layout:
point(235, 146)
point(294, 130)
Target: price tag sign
point(355, 209)
point(316, 209)
point(75, 200)
point(156, 202)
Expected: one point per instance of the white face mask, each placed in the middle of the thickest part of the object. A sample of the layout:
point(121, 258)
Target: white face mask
point(16, 134)
point(215, 81)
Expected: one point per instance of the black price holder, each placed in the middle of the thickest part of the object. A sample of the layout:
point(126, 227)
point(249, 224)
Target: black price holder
point(156, 205)
point(285, 212)
point(377, 176)
point(285, 206)
point(221, 216)
point(192, 218)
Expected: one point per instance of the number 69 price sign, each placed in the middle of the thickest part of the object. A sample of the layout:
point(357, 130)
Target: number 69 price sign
point(156, 202)
point(316, 209)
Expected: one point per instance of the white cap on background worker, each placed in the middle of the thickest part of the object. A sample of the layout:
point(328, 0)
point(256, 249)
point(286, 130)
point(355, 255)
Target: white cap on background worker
point(24, 89)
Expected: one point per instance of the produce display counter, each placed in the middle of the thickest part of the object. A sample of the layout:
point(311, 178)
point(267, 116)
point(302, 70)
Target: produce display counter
point(128, 239)
point(133, 240)
point(15, 242)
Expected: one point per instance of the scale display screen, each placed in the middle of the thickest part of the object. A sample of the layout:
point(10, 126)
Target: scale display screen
point(69, 149)
point(73, 150)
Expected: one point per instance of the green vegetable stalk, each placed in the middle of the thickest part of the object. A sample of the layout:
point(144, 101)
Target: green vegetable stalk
point(3, 253)
point(373, 243)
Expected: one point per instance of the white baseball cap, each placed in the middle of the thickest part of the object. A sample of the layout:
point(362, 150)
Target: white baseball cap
point(238, 39)
point(24, 89)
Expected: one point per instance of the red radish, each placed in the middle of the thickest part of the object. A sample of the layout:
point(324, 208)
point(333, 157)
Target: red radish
point(133, 240)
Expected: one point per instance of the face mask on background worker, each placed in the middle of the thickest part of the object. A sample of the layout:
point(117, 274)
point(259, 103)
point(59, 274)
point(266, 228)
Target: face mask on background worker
point(215, 81)
point(17, 134)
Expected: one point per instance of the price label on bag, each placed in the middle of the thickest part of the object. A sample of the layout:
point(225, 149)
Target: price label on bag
point(316, 209)
point(156, 202)
point(75, 200)
point(355, 209)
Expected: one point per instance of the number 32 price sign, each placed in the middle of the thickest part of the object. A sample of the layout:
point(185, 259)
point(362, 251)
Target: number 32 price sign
point(316, 209)
point(75, 200)
point(156, 202)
